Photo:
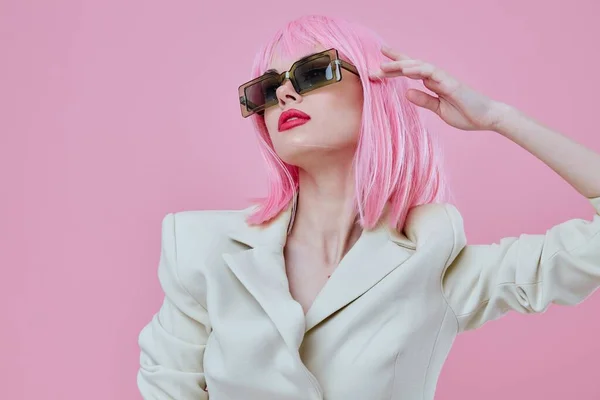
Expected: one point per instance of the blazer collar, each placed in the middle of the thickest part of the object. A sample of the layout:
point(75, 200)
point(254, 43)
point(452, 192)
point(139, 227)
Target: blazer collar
point(261, 270)
point(274, 233)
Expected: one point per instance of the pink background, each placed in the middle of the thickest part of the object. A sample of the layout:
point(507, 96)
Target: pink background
point(114, 113)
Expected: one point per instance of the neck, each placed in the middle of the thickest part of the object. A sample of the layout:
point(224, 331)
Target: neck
point(325, 216)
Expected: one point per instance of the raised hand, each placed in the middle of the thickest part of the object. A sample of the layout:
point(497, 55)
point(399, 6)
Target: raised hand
point(455, 103)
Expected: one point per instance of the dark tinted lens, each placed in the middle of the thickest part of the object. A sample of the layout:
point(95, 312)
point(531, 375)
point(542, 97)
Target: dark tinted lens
point(262, 92)
point(313, 73)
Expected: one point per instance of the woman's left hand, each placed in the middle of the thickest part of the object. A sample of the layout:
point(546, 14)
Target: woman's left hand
point(456, 104)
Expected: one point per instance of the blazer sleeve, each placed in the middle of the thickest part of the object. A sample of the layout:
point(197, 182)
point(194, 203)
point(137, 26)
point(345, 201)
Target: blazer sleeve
point(526, 273)
point(172, 343)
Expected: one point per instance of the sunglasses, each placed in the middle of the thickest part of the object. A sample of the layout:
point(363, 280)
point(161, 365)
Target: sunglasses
point(309, 73)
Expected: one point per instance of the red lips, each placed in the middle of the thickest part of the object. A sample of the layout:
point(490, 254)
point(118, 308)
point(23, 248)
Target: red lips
point(292, 118)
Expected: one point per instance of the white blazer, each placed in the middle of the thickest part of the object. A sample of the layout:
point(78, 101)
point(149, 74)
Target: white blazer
point(382, 326)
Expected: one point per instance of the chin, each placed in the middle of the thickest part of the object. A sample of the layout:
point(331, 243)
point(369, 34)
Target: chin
point(295, 156)
point(308, 153)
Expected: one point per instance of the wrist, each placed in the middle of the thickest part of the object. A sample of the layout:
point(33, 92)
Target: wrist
point(503, 116)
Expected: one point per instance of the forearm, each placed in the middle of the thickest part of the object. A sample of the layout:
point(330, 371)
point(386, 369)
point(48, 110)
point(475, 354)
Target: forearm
point(575, 163)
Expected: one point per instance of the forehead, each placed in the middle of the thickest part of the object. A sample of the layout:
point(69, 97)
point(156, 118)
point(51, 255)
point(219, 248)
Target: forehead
point(280, 62)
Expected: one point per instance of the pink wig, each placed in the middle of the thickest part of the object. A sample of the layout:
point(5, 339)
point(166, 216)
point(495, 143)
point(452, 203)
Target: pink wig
point(395, 161)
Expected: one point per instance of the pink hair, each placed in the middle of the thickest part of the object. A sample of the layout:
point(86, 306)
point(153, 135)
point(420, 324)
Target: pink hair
point(395, 161)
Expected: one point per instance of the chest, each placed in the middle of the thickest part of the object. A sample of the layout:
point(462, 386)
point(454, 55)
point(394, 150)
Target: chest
point(378, 345)
point(307, 273)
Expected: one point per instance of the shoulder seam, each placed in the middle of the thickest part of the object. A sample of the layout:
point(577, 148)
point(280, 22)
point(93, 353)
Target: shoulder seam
point(446, 206)
point(176, 268)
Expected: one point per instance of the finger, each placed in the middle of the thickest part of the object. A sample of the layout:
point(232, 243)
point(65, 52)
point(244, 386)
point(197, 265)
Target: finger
point(413, 69)
point(423, 99)
point(412, 73)
point(393, 54)
point(394, 68)
point(380, 75)
point(424, 71)
point(399, 65)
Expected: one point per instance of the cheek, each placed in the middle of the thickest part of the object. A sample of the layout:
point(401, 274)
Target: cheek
point(271, 123)
point(348, 112)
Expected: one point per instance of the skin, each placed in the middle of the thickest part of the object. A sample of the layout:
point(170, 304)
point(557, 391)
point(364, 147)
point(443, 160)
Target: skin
point(325, 228)
point(323, 150)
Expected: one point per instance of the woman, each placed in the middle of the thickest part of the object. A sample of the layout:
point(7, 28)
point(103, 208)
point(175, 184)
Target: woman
point(351, 280)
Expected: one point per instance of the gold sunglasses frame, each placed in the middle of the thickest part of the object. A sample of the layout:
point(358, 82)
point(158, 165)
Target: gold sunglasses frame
point(248, 108)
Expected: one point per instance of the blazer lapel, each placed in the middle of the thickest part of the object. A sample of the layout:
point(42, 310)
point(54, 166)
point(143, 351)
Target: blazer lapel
point(371, 259)
point(261, 270)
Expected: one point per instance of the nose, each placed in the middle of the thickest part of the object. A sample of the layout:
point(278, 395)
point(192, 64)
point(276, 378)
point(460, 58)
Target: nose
point(287, 94)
